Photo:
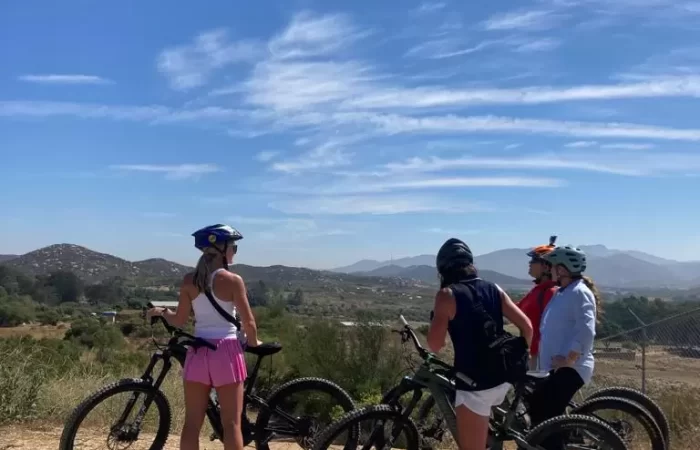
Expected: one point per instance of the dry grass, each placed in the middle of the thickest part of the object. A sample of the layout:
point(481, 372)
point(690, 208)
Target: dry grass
point(48, 398)
point(36, 331)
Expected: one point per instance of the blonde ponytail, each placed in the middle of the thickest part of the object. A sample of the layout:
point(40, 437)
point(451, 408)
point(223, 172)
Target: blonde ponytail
point(596, 293)
point(204, 269)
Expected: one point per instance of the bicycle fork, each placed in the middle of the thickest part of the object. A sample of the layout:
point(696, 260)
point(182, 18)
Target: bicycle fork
point(135, 426)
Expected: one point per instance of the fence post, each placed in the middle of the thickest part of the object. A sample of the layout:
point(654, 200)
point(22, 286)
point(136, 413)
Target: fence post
point(644, 350)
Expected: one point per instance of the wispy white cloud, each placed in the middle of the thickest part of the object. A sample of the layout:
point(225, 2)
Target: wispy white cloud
point(309, 34)
point(266, 156)
point(190, 65)
point(540, 19)
point(287, 228)
point(324, 156)
point(174, 172)
point(395, 124)
point(581, 144)
point(537, 45)
point(387, 181)
point(431, 97)
point(64, 79)
point(627, 146)
point(380, 124)
point(447, 48)
point(150, 114)
point(643, 164)
point(610, 146)
point(375, 204)
point(429, 7)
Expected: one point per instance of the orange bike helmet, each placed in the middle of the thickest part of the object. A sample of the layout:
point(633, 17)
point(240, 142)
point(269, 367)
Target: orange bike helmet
point(540, 251)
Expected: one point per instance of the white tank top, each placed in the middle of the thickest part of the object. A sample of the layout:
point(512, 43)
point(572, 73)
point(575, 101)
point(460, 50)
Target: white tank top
point(209, 324)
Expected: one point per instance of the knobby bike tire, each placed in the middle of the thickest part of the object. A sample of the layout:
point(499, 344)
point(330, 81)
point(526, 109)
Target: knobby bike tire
point(352, 419)
point(398, 391)
point(642, 399)
point(125, 385)
point(573, 422)
point(291, 387)
point(591, 406)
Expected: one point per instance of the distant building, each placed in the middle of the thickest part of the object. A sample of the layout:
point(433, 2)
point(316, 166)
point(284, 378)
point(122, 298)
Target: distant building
point(109, 314)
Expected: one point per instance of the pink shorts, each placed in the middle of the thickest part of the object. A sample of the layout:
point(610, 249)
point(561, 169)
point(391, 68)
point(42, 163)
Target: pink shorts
point(219, 367)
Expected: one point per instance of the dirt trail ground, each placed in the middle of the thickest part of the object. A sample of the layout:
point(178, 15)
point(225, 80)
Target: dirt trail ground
point(16, 438)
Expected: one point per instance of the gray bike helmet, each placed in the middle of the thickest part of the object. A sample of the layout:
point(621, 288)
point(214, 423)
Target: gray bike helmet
point(452, 255)
point(573, 258)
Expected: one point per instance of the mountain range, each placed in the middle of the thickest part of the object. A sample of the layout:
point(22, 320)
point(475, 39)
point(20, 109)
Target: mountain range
point(93, 267)
point(608, 267)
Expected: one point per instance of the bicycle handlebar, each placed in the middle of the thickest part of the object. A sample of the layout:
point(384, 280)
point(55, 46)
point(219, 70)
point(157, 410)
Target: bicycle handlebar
point(177, 332)
point(408, 333)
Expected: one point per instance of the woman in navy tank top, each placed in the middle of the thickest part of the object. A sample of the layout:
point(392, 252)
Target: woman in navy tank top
point(451, 313)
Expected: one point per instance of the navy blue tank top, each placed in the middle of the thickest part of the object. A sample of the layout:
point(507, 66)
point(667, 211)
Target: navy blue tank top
point(466, 326)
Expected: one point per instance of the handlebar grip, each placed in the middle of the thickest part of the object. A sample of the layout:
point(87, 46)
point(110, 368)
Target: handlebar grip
point(403, 319)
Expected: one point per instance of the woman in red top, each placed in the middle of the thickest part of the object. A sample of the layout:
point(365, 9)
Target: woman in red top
point(536, 300)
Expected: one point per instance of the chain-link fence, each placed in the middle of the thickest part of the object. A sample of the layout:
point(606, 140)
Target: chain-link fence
point(668, 350)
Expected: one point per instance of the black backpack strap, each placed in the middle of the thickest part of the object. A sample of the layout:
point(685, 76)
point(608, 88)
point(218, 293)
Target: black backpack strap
point(221, 310)
point(490, 327)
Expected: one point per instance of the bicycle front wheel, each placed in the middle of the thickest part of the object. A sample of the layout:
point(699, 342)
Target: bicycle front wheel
point(650, 435)
point(371, 420)
point(577, 429)
point(127, 421)
point(644, 401)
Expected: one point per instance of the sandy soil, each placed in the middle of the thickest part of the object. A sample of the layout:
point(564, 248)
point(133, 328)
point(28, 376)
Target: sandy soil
point(659, 365)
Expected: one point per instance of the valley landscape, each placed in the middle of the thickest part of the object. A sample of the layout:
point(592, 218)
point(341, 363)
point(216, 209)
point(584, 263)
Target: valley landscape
point(51, 302)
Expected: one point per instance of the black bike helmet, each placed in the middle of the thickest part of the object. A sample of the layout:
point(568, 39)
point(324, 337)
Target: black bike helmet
point(453, 254)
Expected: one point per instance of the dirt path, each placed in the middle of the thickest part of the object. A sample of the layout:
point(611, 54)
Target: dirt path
point(16, 438)
point(47, 438)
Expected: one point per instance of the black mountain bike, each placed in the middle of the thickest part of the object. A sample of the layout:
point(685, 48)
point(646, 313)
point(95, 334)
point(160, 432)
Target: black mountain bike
point(618, 399)
point(438, 378)
point(272, 421)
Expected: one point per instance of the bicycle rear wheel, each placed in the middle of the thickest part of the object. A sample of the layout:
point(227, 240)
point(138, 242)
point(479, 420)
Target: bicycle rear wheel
point(375, 416)
point(652, 433)
point(642, 399)
point(298, 410)
point(575, 428)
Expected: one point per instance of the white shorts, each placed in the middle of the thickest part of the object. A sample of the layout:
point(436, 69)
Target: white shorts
point(481, 402)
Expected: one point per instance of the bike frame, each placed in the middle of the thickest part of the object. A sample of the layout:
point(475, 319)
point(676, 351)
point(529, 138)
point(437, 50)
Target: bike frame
point(176, 350)
point(442, 388)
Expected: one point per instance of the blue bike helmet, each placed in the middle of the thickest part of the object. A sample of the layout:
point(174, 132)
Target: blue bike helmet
point(215, 235)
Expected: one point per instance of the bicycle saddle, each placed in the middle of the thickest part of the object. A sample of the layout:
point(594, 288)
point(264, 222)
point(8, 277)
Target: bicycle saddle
point(266, 349)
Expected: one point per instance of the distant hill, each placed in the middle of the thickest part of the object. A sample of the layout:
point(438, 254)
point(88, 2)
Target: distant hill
point(4, 258)
point(608, 267)
point(92, 266)
point(428, 275)
point(367, 265)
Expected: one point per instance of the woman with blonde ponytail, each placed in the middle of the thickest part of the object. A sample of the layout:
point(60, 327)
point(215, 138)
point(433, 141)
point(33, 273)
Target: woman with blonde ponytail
point(567, 330)
point(223, 368)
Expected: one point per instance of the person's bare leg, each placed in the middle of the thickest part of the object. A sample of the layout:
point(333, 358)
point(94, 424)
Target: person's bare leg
point(196, 401)
point(231, 403)
point(473, 429)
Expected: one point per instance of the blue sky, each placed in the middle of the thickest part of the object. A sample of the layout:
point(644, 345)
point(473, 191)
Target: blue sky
point(332, 131)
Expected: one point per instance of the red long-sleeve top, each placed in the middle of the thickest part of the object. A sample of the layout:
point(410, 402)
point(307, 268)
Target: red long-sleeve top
point(530, 305)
